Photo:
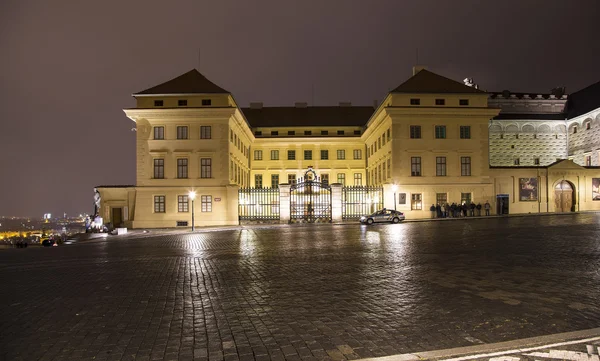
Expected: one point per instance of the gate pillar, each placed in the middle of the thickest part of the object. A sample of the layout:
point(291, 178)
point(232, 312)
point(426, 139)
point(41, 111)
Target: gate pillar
point(336, 202)
point(284, 203)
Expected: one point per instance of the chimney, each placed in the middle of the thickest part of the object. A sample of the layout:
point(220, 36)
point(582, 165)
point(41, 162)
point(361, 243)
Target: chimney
point(300, 105)
point(257, 105)
point(345, 104)
point(418, 68)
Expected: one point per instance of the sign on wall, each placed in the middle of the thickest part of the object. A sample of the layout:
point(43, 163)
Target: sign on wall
point(528, 189)
point(596, 189)
point(401, 198)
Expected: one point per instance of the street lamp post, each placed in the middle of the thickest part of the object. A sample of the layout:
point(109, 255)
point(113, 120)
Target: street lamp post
point(192, 196)
point(394, 189)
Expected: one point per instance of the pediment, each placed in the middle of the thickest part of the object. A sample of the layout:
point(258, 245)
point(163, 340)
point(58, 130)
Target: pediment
point(564, 164)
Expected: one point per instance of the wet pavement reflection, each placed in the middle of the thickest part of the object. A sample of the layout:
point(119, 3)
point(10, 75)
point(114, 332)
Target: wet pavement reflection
point(324, 292)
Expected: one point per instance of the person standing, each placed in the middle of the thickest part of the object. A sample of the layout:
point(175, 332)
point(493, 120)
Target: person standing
point(478, 209)
point(438, 211)
point(472, 206)
point(486, 206)
point(432, 210)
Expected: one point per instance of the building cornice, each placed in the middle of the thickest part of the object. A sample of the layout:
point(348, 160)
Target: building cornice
point(179, 113)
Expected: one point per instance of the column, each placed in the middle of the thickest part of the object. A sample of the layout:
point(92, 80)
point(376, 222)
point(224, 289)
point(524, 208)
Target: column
point(336, 202)
point(284, 203)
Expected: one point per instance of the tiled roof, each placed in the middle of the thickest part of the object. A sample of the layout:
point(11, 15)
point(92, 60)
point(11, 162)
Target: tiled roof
point(584, 101)
point(308, 116)
point(191, 82)
point(427, 82)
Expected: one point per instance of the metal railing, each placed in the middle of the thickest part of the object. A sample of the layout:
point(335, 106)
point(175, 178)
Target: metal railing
point(360, 200)
point(256, 204)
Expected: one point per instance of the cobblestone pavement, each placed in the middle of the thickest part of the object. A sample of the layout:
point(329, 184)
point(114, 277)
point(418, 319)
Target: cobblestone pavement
point(310, 293)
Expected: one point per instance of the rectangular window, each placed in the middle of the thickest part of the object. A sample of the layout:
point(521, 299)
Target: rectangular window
point(415, 132)
point(206, 203)
point(182, 103)
point(465, 132)
point(379, 173)
point(258, 155)
point(158, 103)
point(441, 198)
point(159, 204)
point(357, 154)
point(291, 179)
point(384, 172)
point(258, 132)
point(340, 132)
point(206, 102)
point(465, 198)
point(463, 102)
point(291, 155)
point(274, 155)
point(274, 132)
point(341, 154)
point(205, 168)
point(588, 160)
point(325, 178)
point(258, 180)
point(291, 132)
point(440, 132)
point(379, 143)
point(308, 155)
point(159, 169)
point(536, 161)
point(341, 178)
point(416, 203)
point(465, 166)
point(357, 132)
point(440, 102)
point(415, 166)
point(383, 139)
point(389, 167)
point(159, 132)
point(182, 168)
point(324, 154)
point(274, 180)
point(324, 132)
point(440, 166)
point(182, 204)
point(358, 179)
point(205, 132)
point(388, 134)
point(182, 132)
point(415, 101)
point(307, 132)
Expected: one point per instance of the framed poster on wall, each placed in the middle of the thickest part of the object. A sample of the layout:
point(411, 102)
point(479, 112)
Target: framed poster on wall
point(528, 189)
point(401, 198)
point(596, 189)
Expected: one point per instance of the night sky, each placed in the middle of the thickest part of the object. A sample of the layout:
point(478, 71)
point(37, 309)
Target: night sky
point(68, 68)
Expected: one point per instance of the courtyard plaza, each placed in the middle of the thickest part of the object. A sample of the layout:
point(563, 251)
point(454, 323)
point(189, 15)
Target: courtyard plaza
point(302, 292)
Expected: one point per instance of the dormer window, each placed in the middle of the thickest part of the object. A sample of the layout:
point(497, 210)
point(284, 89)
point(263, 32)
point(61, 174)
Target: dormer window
point(588, 125)
point(574, 129)
point(182, 102)
point(206, 102)
point(158, 103)
point(415, 101)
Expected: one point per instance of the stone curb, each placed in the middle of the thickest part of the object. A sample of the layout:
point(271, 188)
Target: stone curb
point(495, 349)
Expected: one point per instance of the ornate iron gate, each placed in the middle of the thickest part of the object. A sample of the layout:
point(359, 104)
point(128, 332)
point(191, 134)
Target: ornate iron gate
point(361, 200)
point(258, 204)
point(310, 200)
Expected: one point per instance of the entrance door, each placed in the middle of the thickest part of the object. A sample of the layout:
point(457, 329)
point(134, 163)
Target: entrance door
point(563, 197)
point(502, 204)
point(117, 217)
point(310, 200)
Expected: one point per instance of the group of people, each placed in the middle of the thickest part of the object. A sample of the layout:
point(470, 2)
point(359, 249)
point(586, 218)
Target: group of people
point(454, 210)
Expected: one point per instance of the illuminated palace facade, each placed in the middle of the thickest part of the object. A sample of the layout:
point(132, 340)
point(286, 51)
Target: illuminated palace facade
point(432, 140)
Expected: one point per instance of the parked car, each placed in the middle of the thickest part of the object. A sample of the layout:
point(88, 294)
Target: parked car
point(383, 215)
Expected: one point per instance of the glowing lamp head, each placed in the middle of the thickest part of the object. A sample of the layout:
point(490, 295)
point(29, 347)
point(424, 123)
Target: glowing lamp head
point(192, 195)
point(394, 187)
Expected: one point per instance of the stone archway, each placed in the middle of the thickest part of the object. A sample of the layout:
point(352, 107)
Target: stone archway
point(564, 196)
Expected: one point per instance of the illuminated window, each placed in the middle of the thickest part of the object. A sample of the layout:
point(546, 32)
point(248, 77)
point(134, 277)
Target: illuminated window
point(205, 168)
point(159, 168)
point(205, 132)
point(182, 132)
point(341, 154)
point(274, 180)
point(206, 203)
point(465, 198)
point(258, 155)
point(416, 203)
point(274, 155)
point(291, 179)
point(341, 178)
point(415, 132)
point(159, 132)
point(357, 154)
point(415, 166)
point(358, 179)
point(182, 204)
point(258, 180)
point(159, 204)
point(441, 198)
point(182, 168)
point(465, 166)
point(325, 178)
